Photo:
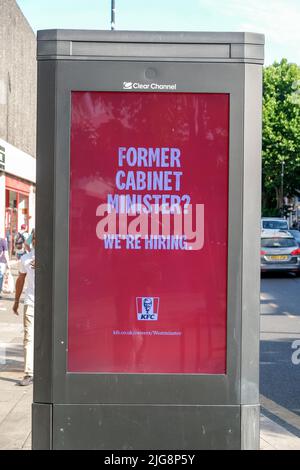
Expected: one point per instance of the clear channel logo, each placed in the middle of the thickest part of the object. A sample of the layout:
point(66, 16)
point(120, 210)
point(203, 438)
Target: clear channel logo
point(147, 308)
point(149, 86)
point(127, 85)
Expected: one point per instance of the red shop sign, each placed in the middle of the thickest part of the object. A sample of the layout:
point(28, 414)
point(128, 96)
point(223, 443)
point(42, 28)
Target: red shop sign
point(14, 184)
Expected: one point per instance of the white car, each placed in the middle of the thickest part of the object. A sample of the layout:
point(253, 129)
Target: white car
point(274, 223)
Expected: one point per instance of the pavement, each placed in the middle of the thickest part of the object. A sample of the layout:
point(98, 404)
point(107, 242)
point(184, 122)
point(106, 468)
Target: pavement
point(15, 401)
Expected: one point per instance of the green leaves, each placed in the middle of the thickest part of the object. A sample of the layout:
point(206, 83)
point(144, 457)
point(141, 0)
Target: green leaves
point(281, 133)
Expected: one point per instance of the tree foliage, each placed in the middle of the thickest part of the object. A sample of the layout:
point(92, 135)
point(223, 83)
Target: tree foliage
point(281, 133)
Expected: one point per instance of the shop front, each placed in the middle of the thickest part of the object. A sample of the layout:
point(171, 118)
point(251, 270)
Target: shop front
point(17, 193)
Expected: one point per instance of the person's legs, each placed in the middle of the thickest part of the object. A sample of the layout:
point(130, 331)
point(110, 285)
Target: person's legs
point(28, 345)
point(2, 272)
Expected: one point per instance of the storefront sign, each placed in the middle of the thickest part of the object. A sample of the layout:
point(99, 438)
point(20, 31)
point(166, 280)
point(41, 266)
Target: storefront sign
point(2, 158)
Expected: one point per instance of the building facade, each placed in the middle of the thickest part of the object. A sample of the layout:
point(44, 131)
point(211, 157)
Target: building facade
point(18, 84)
point(17, 191)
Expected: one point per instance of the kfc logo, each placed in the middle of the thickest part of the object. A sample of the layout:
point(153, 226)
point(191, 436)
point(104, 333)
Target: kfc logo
point(147, 308)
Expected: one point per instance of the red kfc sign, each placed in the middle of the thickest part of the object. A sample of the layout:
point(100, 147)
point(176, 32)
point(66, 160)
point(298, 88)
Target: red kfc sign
point(148, 232)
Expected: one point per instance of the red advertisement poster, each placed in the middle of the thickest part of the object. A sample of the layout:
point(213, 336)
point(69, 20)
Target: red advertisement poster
point(148, 232)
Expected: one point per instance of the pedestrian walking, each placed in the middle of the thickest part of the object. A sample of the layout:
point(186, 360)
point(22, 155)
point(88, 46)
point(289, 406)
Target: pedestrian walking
point(4, 261)
point(26, 272)
point(20, 240)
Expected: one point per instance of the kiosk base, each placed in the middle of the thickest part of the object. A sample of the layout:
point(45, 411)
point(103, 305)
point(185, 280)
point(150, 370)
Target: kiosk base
point(140, 427)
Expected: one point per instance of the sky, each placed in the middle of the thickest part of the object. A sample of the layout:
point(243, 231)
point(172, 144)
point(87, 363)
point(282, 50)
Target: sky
point(279, 20)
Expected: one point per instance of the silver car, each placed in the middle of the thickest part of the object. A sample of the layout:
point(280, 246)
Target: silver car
point(296, 235)
point(279, 252)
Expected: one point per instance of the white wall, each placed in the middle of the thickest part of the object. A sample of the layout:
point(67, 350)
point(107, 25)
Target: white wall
point(18, 163)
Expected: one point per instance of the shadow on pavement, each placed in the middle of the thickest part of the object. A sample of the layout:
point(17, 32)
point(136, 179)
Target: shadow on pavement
point(7, 379)
point(278, 275)
point(11, 357)
point(278, 294)
point(279, 377)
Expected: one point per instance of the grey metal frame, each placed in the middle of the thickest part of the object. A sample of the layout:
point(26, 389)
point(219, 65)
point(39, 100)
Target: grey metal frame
point(237, 390)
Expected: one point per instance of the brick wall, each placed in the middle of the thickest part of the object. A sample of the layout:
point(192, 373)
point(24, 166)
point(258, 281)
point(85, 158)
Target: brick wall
point(17, 78)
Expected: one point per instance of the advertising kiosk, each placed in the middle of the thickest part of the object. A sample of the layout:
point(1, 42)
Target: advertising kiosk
point(148, 209)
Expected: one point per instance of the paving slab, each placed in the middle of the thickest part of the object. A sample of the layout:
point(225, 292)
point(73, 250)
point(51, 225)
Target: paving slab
point(275, 437)
point(15, 401)
point(16, 425)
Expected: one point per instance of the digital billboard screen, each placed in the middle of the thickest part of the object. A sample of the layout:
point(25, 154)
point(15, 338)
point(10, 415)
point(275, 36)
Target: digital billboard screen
point(148, 232)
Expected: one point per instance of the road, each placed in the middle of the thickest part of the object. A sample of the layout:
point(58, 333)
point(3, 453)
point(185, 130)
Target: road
point(280, 327)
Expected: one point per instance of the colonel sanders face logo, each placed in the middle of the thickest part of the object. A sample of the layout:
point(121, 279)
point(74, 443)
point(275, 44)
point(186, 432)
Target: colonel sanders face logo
point(147, 308)
point(147, 304)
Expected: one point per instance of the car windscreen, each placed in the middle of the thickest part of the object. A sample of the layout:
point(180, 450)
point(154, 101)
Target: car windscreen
point(278, 242)
point(275, 224)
